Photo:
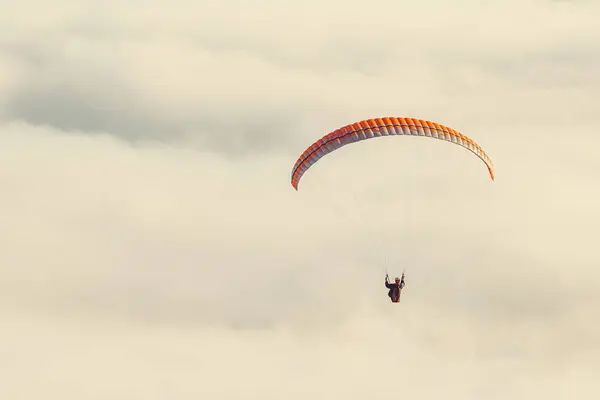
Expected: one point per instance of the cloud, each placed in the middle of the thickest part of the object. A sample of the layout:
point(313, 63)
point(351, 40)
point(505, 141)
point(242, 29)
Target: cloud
point(183, 73)
point(153, 245)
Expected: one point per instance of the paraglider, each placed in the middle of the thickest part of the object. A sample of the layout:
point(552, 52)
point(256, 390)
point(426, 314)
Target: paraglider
point(395, 288)
point(387, 126)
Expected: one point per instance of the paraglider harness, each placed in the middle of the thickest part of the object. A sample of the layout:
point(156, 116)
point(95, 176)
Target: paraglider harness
point(395, 288)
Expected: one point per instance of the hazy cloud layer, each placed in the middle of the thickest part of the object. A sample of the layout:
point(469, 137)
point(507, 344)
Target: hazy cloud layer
point(153, 246)
point(258, 72)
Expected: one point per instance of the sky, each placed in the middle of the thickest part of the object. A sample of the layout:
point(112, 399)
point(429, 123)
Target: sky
point(153, 246)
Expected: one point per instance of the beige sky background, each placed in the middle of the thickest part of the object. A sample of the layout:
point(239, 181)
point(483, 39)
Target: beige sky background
point(153, 247)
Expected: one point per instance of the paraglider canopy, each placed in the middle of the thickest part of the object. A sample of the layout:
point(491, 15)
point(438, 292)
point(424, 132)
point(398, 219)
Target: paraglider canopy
point(387, 126)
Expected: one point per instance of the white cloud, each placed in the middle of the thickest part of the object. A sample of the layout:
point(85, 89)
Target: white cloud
point(154, 247)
